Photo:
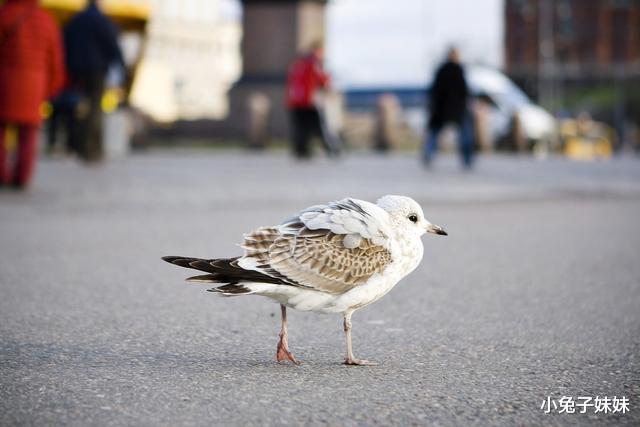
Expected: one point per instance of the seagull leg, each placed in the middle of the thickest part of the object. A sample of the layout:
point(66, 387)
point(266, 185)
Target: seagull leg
point(283, 352)
point(350, 360)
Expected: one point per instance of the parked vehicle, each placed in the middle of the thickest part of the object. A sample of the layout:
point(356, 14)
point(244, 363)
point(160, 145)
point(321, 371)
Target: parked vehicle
point(515, 121)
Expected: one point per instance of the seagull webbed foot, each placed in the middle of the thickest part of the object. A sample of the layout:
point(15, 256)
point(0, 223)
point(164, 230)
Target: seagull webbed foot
point(283, 353)
point(359, 362)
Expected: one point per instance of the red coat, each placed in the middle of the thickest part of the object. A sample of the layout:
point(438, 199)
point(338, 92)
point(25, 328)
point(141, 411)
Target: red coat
point(304, 77)
point(31, 61)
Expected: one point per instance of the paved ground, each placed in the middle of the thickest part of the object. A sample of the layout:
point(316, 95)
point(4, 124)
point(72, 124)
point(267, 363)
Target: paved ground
point(535, 293)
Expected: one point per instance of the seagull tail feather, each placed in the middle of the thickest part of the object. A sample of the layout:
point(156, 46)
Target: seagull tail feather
point(224, 271)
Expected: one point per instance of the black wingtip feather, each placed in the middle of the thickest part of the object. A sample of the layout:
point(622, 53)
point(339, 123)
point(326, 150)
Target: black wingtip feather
point(177, 260)
point(231, 289)
point(188, 262)
point(205, 278)
point(222, 270)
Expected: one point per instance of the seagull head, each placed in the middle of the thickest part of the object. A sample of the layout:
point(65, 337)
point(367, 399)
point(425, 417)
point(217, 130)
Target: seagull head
point(406, 214)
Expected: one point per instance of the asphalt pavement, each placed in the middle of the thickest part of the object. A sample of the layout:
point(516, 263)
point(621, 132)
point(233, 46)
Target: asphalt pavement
point(533, 296)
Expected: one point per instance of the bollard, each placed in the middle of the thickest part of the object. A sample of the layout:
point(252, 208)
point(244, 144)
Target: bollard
point(388, 122)
point(259, 108)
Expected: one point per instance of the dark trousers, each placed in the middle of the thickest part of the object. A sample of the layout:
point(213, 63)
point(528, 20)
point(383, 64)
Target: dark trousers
point(19, 174)
point(62, 117)
point(465, 142)
point(88, 117)
point(305, 124)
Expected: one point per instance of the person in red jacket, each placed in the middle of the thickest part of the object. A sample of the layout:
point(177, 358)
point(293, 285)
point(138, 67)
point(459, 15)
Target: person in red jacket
point(304, 78)
point(31, 70)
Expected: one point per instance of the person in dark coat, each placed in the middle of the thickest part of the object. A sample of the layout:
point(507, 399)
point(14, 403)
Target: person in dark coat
point(91, 44)
point(31, 70)
point(448, 105)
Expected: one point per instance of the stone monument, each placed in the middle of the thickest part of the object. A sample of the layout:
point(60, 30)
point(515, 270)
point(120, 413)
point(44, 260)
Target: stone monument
point(274, 33)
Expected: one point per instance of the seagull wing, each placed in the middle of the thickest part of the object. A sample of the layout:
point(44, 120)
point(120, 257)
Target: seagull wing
point(331, 248)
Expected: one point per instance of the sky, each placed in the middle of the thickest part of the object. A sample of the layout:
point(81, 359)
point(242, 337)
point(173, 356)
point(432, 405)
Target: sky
point(400, 42)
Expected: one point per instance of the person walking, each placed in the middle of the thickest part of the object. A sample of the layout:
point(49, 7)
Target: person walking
point(31, 70)
point(91, 44)
point(305, 76)
point(448, 105)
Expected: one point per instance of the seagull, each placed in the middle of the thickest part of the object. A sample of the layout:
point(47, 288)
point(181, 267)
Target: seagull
point(332, 258)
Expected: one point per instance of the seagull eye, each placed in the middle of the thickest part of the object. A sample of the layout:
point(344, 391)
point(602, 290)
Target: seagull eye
point(413, 218)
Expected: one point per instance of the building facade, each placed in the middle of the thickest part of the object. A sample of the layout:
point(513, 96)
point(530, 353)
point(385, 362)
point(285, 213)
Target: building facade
point(191, 58)
point(574, 40)
point(578, 57)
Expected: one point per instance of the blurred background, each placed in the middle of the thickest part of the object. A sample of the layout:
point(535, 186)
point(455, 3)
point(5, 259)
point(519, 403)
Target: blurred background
point(546, 77)
point(145, 128)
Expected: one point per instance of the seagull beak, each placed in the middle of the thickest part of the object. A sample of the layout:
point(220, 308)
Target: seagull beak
point(436, 229)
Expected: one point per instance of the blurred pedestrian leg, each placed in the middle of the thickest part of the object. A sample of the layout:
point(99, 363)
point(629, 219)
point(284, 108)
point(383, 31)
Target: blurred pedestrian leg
point(26, 148)
point(466, 140)
point(63, 107)
point(5, 146)
point(306, 124)
point(89, 117)
point(26, 157)
point(31, 71)
point(430, 147)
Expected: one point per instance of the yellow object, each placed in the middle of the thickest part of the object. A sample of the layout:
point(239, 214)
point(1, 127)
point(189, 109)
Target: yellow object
point(110, 100)
point(582, 149)
point(128, 14)
point(11, 138)
point(45, 110)
point(587, 139)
